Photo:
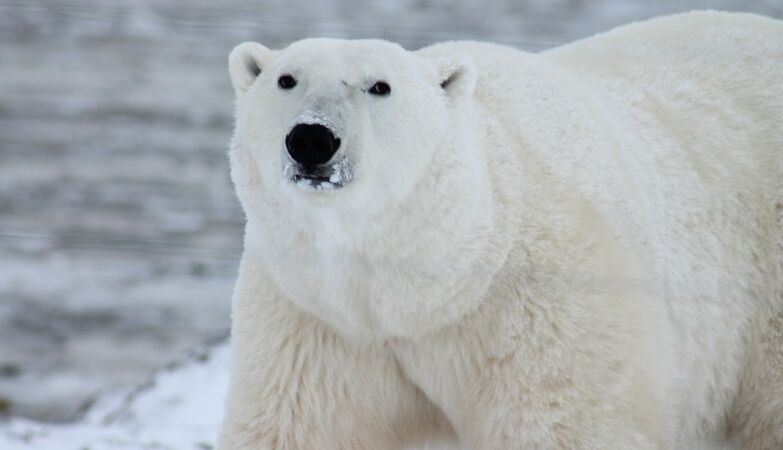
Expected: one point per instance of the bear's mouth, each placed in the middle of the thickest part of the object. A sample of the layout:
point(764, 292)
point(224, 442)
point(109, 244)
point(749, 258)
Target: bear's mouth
point(326, 177)
point(311, 178)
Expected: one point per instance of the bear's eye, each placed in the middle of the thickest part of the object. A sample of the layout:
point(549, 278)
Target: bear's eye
point(380, 88)
point(286, 82)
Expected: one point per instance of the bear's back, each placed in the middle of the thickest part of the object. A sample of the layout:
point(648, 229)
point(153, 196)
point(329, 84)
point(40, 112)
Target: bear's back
point(702, 93)
point(712, 80)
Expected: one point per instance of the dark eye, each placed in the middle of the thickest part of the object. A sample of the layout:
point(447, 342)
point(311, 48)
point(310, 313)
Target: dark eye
point(286, 82)
point(380, 88)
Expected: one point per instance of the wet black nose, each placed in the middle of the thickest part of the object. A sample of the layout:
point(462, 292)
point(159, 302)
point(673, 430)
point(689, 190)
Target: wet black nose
point(311, 144)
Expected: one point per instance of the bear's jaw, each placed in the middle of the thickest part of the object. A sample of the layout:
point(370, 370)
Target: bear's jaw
point(328, 177)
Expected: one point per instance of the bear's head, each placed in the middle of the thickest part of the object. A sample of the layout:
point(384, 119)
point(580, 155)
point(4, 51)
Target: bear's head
point(354, 123)
point(356, 162)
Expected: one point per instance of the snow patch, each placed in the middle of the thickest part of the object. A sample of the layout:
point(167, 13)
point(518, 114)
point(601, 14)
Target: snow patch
point(179, 409)
point(333, 176)
point(310, 117)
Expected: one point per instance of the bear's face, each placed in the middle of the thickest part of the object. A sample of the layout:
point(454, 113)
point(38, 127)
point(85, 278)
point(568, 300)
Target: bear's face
point(325, 119)
point(348, 158)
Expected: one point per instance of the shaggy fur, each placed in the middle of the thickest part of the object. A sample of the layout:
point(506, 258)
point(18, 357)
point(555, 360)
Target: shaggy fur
point(581, 248)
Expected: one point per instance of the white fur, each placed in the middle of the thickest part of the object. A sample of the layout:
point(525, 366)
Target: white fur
point(576, 249)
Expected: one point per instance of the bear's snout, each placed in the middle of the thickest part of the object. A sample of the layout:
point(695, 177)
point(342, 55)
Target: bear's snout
point(311, 144)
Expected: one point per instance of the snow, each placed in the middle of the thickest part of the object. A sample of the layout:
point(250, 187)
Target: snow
point(309, 117)
point(179, 409)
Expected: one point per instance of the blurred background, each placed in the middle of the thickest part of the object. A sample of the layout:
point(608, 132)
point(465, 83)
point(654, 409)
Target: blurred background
point(119, 231)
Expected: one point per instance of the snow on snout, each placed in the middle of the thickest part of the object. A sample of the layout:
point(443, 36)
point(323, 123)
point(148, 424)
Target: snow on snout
point(310, 117)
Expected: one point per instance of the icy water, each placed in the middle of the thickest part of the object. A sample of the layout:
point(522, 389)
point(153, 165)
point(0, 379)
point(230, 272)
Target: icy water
point(119, 231)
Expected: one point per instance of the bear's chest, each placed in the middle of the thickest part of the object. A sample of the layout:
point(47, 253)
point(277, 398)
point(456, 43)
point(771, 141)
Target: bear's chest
point(331, 283)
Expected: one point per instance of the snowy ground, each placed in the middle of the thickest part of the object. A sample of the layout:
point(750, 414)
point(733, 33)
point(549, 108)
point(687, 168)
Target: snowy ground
point(119, 231)
point(162, 414)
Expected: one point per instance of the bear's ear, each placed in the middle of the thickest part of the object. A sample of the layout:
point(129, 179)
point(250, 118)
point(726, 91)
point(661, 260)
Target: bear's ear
point(456, 76)
point(245, 64)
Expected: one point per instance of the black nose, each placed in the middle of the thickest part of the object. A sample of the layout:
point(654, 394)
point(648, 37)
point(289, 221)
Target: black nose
point(311, 144)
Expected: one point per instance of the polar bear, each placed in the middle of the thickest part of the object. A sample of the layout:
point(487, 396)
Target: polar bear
point(581, 248)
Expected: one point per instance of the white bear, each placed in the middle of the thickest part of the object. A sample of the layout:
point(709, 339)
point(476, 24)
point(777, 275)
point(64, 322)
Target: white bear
point(577, 249)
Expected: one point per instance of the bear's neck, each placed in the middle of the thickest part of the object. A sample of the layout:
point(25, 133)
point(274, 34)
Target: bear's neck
point(420, 267)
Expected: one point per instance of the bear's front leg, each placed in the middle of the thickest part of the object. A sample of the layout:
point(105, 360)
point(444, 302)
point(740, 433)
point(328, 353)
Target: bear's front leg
point(297, 385)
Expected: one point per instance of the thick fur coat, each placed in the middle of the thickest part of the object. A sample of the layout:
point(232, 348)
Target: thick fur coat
point(581, 248)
